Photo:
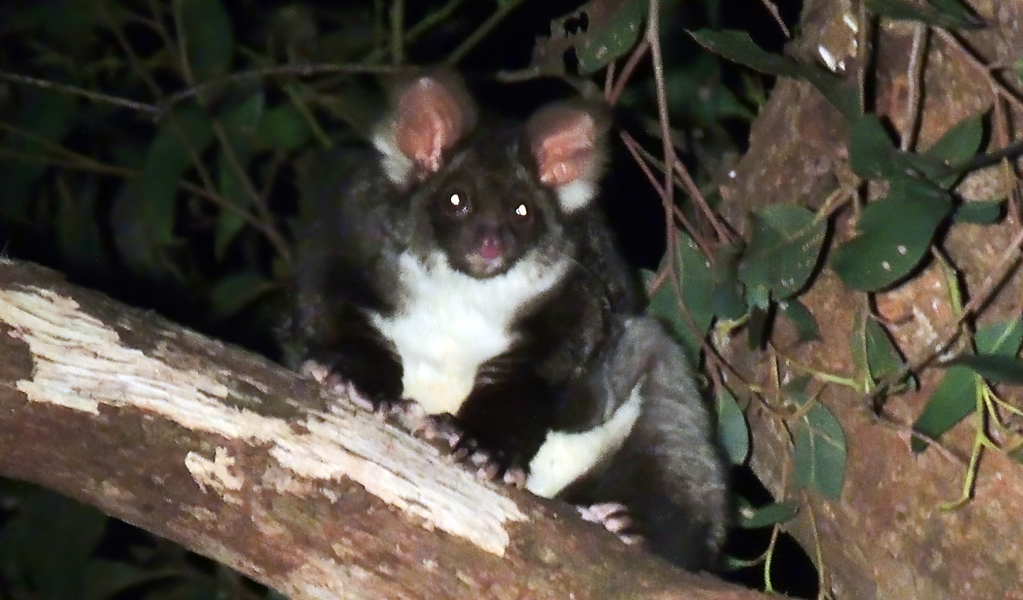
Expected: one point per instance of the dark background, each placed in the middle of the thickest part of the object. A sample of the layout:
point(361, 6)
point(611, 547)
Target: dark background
point(87, 210)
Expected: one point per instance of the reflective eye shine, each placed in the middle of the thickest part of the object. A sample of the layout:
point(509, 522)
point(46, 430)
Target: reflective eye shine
point(521, 210)
point(455, 199)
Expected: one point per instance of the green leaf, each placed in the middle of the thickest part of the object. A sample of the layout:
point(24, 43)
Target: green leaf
point(240, 125)
point(727, 291)
point(694, 277)
point(767, 515)
point(107, 579)
point(242, 122)
point(229, 223)
point(802, 319)
point(599, 32)
point(69, 26)
point(858, 347)
point(47, 544)
point(783, 251)
point(957, 10)
point(283, 128)
point(235, 292)
point(612, 37)
point(759, 326)
point(738, 46)
point(78, 235)
point(883, 358)
point(980, 212)
point(895, 234)
point(819, 457)
point(795, 390)
point(942, 162)
point(209, 38)
point(997, 368)
point(960, 143)
point(844, 96)
point(1003, 338)
point(46, 116)
point(872, 155)
point(693, 274)
point(953, 399)
point(733, 432)
point(185, 132)
point(948, 14)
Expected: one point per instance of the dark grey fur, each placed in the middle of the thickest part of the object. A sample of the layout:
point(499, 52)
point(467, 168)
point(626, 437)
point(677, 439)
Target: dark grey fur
point(581, 350)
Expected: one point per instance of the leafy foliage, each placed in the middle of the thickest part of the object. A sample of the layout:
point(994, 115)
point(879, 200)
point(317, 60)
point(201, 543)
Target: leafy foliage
point(166, 161)
point(766, 516)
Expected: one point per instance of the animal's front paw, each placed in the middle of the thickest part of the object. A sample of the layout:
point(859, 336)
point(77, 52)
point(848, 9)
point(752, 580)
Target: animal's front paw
point(403, 412)
point(444, 430)
point(615, 518)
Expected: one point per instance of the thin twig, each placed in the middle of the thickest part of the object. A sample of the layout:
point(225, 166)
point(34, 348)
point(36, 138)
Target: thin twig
point(697, 197)
point(397, 19)
point(125, 45)
point(173, 121)
point(77, 91)
point(227, 150)
point(379, 29)
point(1002, 270)
point(818, 547)
point(81, 162)
point(503, 8)
point(182, 44)
point(413, 33)
point(914, 78)
point(637, 154)
point(262, 209)
point(98, 168)
point(771, 8)
point(609, 78)
point(301, 70)
point(999, 87)
point(630, 65)
point(638, 150)
point(864, 28)
point(668, 197)
point(46, 144)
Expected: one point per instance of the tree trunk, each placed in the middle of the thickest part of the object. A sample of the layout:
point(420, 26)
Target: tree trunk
point(888, 536)
point(245, 462)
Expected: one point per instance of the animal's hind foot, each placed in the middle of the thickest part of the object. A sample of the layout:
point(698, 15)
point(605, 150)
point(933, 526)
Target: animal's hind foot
point(615, 518)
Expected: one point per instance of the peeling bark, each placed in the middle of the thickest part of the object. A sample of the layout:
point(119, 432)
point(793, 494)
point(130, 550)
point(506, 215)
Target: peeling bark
point(245, 462)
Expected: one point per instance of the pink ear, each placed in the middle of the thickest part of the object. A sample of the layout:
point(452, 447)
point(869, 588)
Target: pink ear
point(565, 143)
point(432, 116)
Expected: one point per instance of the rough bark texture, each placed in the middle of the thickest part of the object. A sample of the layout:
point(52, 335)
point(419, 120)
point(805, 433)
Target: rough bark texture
point(888, 536)
point(245, 462)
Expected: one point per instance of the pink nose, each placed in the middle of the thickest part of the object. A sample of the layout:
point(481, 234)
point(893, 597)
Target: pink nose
point(490, 247)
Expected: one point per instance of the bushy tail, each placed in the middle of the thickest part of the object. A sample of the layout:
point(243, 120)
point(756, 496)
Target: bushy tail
point(670, 472)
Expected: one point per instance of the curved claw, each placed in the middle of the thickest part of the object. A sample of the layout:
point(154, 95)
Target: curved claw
point(615, 518)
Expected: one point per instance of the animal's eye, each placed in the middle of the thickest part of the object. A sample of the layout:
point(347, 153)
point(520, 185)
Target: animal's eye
point(523, 214)
point(456, 201)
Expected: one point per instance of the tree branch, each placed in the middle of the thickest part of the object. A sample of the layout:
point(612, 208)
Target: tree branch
point(245, 462)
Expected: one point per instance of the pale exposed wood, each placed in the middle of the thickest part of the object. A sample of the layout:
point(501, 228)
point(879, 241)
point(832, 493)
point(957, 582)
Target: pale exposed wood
point(241, 460)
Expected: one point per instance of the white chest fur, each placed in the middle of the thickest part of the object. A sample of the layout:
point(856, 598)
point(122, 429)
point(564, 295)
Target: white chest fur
point(449, 324)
